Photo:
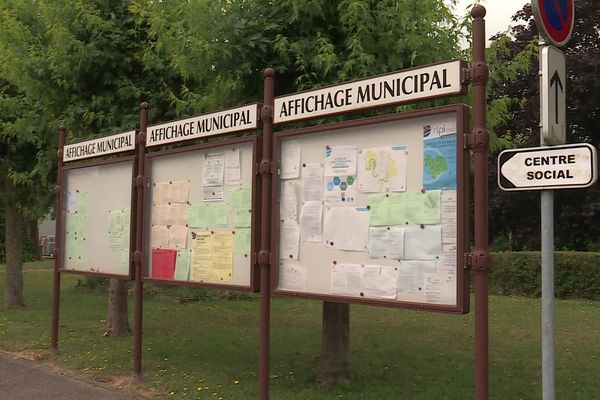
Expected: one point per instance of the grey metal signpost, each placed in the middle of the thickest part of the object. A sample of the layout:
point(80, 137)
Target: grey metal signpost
point(555, 22)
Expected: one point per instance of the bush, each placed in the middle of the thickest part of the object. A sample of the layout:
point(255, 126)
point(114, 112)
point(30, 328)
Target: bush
point(576, 274)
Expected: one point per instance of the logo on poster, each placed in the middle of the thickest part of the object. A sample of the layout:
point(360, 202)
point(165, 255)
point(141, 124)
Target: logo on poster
point(437, 130)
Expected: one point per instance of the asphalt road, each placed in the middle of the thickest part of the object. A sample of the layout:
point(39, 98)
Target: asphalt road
point(22, 379)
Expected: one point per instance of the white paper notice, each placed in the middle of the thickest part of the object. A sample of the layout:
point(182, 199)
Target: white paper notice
point(288, 205)
point(340, 190)
point(72, 197)
point(312, 182)
point(160, 193)
point(440, 288)
point(346, 228)
point(340, 160)
point(160, 237)
point(161, 214)
point(179, 192)
point(449, 216)
point(290, 159)
point(411, 279)
point(411, 275)
point(380, 281)
point(382, 169)
point(178, 214)
point(346, 279)
point(423, 243)
point(311, 222)
point(449, 258)
point(292, 276)
point(212, 176)
point(178, 236)
point(289, 240)
point(213, 193)
point(233, 170)
point(386, 242)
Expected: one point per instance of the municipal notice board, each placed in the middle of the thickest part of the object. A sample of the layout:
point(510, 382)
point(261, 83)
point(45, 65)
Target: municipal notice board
point(373, 211)
point(200, 212)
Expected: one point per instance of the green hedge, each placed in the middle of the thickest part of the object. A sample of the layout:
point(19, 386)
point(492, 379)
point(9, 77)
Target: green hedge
point(577, 274)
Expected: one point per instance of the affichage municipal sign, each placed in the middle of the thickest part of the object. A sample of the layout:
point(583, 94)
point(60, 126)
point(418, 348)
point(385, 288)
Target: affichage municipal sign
point(205, 125)
point(554, 19)
point(542, 168)
point(99, 147)
point(436, 80)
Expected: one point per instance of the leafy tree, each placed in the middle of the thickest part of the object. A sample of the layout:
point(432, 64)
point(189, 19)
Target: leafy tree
point(89, 63)
point(514, 96)
point(75, 62)
point(223, 47)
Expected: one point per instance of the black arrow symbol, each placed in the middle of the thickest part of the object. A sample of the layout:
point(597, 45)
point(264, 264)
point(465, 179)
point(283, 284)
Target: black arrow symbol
point(556, 79)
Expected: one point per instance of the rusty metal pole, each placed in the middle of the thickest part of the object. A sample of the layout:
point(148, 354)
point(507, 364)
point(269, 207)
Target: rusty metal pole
point(58, 239)
point(264, 255)
point(480, 258)
point(138, 255)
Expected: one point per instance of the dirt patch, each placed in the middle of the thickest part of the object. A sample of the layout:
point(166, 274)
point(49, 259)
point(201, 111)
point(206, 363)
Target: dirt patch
point(128, 384)
point(33, 355)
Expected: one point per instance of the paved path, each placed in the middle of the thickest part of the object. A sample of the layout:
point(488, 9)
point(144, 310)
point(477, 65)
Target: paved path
point(26, 380)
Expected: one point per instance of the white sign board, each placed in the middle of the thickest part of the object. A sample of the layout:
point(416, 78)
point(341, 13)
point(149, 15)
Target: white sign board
point(218, 123)
point(405, 86)
point(541, 168)
point(96, 214)
point(99, 147)
point(199, 214)
point(372, 212)
point(553, 96)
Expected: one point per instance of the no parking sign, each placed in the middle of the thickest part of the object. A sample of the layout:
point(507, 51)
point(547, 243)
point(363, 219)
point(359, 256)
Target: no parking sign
point(554, 19)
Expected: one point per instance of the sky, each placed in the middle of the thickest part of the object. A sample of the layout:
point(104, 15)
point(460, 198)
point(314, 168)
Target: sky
point(498, 14)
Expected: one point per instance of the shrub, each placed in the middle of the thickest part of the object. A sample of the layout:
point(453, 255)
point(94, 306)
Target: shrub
point(576, 274)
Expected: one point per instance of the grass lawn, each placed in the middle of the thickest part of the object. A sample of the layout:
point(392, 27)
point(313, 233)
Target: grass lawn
point(209, 350)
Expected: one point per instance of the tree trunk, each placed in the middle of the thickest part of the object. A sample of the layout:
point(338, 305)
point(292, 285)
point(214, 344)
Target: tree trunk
point(34, 237)
point(13, 292)
point(335, 344)
point(117, 321)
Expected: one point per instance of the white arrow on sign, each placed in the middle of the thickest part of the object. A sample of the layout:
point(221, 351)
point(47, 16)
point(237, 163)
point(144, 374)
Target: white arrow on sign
point(538, 168)
point(553, 96)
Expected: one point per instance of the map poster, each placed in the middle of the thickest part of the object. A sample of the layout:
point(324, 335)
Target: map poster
point(382, 169)
point(439, 163)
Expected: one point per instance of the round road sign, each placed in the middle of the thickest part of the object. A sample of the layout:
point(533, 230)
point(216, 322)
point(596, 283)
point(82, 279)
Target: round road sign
point(554, 19)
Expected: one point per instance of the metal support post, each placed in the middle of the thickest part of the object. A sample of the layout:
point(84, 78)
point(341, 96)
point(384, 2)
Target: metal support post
point(138, 256)
point(264, 258)
point(547, 239)
point(58, 241)
point(480, 146)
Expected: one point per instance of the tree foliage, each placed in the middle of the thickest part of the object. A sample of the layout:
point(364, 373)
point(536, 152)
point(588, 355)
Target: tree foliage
point(309, 43)
point(514, 95)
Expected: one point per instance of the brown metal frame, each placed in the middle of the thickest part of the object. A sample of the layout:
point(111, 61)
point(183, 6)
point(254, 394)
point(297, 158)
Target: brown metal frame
point(480, 257)
point(57, 240)
point(138, 255)
point(264, 257)
point(255, 140)
point(463, 91)
point(462, 172)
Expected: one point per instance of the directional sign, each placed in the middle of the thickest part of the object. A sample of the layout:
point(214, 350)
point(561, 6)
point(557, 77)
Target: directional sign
point(554, 19)
point(553, 96)
point(542, 168)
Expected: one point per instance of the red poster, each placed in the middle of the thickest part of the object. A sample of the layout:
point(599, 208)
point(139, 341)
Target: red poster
point(163, 263)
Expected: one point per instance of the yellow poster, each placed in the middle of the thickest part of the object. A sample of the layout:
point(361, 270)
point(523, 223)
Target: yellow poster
point(212, 256)
point(201, 263)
